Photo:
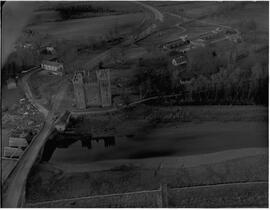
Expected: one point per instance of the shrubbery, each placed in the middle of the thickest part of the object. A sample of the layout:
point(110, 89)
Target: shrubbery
point(241, 86)
point(211, 83)
point(154, 76)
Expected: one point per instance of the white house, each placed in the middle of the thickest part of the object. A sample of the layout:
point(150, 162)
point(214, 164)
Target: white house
point(179, 61)
point(55, 67)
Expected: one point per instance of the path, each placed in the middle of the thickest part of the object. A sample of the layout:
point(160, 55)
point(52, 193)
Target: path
point(158, 15)
point(14, 187)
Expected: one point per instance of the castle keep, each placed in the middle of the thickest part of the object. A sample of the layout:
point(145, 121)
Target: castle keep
point(92, 88)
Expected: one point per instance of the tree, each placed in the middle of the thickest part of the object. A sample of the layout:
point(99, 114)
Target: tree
point(154, 76)
point(202, 61)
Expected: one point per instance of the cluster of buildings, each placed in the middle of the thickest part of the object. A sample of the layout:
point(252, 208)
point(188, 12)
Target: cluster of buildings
point(183, 44)
point(92, 88)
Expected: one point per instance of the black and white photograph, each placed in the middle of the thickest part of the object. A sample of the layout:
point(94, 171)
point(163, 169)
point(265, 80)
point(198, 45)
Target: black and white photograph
point(134, 104)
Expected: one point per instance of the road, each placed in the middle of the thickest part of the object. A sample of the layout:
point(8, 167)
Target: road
point(184, 19)
point(29, 94)
point(15, 184)
point(105, 55)
point(158, 15)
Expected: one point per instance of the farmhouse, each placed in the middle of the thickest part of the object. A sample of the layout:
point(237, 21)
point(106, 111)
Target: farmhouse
point(54, 67)
point(11, 84)
point(179, 61)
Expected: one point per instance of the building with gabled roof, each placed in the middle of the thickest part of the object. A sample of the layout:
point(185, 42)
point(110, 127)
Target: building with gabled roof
point(181, 60)
point(52, 66)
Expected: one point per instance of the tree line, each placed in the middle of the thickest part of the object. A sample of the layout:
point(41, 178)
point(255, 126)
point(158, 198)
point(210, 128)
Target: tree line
point(229, 84)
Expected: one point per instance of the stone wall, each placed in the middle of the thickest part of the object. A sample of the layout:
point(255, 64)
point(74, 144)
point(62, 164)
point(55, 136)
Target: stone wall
point(92, 94)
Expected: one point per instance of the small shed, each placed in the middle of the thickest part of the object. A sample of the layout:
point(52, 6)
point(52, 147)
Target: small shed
point(52, 66)
point(11, 84)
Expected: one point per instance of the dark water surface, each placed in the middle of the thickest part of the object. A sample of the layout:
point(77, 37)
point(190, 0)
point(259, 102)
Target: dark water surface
point(174, 140)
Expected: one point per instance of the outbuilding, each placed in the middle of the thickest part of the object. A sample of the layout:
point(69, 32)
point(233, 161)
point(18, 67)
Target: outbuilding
point(179, 61)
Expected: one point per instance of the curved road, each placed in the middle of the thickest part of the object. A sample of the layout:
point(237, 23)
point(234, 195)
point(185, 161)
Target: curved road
point(158, 15)
point(14, 186)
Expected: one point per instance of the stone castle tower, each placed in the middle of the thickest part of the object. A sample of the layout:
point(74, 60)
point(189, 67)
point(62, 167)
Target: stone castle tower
point(104, 81)
point(79, 90)
point(92, 89)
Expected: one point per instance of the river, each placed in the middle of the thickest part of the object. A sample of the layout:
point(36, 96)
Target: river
point(180, 139)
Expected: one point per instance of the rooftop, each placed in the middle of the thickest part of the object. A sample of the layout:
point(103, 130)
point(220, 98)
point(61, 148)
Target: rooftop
point(51, 63)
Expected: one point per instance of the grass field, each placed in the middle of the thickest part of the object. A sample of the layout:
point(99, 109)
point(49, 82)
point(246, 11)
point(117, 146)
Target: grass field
point(189, 9)
point(44, 86)
point(56, 184)
point(256, 12)
point(230, 196)
point(95, 27)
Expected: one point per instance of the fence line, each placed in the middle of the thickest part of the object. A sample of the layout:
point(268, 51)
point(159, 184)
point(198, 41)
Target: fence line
point(162, 194)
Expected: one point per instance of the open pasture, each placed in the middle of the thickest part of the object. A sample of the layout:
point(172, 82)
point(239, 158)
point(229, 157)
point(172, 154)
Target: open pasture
point(95, 27)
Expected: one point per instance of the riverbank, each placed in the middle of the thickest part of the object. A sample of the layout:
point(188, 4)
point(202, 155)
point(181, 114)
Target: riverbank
point(210, 145)
point(147, 131)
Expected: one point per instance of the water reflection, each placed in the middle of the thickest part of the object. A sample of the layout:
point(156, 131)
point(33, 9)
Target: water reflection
point(64, 141)
point(185, 139)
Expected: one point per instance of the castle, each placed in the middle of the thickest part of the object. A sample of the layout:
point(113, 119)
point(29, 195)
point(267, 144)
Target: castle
point(92, 88)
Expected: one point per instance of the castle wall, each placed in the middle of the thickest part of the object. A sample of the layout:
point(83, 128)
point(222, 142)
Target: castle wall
point(92, 94)
point(80, 96)
point(104, 86)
